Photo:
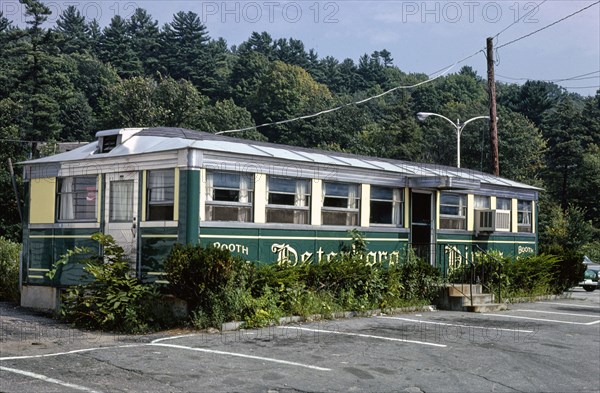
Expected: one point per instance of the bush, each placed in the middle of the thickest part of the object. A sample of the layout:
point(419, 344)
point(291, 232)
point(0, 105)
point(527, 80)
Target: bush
point(527, 276)
point(211, 281)
point(9, 270)
point(220, 288)
point(114, 300)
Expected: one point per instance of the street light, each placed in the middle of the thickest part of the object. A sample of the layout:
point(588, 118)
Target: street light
point(458, 125)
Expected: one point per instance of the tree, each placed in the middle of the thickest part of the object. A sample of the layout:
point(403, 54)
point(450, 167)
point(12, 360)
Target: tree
point(226, 115)
point(291, 52)
point(75, 32)
point(248, 71)
point(562, 127)
point(189, 54)
point(257, 43)
point(144, 102)
point(117, 49)
point(13, 148)
point(145, 37)
point(37, 53)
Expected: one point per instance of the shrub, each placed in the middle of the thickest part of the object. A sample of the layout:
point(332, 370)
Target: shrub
point(114, 300)
point(9, 270)
point(211, 281)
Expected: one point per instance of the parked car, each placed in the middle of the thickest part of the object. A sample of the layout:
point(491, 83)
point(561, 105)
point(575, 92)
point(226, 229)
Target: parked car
point(590, 279)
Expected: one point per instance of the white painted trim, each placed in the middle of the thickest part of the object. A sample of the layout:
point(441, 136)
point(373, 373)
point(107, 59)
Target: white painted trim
point(316, 196)
point(365, 205)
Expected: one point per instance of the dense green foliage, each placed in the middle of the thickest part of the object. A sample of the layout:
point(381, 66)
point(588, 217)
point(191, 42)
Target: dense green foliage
point(220, 288)
point(210, 280)
point(113, 300)
point(544, 274)
point(9, 270)
point(63, 82)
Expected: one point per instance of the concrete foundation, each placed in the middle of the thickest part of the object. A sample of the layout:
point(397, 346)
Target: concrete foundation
point(40, 297)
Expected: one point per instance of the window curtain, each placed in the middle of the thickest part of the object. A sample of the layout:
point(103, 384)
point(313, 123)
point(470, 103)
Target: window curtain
point(397, 207)
point(244, 197)
point(67, 199)
point(526, 213)
point(209, 187)
point(300, 200)
point(156, 183)
point(121, 200)
point(352, 204)
point(462, 205)
point(301, 192)
point(482, 202)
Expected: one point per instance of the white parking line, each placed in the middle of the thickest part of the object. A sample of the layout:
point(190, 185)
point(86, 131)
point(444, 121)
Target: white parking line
point(172, 338)
point(241, 355)
point(542, 319)
point(365, 336)
point(69, 352)
point(48, 379)
point(597, 307)
point(454, 324)
point(560, 313)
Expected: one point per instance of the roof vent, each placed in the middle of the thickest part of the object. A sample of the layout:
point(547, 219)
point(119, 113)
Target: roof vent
point(109, 139)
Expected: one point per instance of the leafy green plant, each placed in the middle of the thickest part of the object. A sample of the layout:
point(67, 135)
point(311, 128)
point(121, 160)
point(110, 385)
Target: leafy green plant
point(211, 281)
point(114, 300)
point(9, 270)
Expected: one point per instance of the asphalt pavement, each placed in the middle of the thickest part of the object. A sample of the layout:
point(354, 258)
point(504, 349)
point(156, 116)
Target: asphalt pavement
point(547, 346)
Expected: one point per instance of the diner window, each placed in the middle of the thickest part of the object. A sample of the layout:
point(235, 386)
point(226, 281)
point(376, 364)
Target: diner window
point(524, 216)
point(76, 198)
point(160, 194)
point(386, 206)
point(453, 211)
point(340, 204)
point(503, 204)
point(482, 202)
point(229, 196)
point(288, 200)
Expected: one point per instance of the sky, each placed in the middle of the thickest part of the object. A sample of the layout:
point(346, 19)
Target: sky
point(423, 36)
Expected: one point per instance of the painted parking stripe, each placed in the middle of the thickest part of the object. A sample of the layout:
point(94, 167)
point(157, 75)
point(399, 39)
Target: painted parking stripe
point(597, 307)
point(454, 324)
point(172, 338)
point(48, 379)
point(69, 352)
point(365, 336)
point(241, 355)
point(560, 313)
point(543, 319)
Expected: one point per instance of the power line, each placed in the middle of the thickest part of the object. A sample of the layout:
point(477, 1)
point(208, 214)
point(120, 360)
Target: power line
point(581, 87)
point(340, 106)
point(575, 78)
point(547, 26)
point(518, 20)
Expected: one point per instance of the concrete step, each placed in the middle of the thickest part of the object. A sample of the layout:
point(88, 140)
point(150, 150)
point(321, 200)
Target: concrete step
point(488, 307)
point(463, 289)
point(479, 298)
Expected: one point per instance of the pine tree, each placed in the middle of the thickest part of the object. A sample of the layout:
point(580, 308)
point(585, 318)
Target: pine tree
point(188, 54)
point(117, 49)
point(145, 36)
point(74, 30)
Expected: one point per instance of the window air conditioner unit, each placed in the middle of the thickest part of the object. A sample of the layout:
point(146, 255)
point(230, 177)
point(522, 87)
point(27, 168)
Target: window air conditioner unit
point(492, 220)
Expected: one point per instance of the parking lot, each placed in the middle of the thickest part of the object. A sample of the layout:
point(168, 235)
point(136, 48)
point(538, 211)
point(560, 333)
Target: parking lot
point(549, 346)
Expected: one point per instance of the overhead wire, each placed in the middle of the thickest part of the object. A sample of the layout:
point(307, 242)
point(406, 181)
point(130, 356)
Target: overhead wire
point(575, 78)
point(518, 20)
point(445, 70)
point(547, 26)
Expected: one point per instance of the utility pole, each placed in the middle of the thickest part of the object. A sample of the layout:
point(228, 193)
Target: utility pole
point(493, 113)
